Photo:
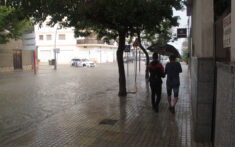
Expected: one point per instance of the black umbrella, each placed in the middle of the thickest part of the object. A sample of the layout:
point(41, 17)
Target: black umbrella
point(164, 49)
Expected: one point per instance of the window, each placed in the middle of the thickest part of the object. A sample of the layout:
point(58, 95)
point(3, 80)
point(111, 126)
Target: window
point(40, 37)
point(48, 37)
point(61, 36)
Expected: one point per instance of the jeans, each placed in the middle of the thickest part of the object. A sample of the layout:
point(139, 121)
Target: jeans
point(156, 91)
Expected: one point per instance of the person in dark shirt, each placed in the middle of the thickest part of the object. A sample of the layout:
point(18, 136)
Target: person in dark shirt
point(156, 73)
point(173, 69)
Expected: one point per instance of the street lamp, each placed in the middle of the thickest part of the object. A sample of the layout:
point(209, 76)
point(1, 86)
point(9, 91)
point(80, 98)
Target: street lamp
point(55, 64)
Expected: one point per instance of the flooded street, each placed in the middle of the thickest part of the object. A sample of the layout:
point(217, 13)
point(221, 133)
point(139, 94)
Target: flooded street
point(26, 99)
point(80, 107)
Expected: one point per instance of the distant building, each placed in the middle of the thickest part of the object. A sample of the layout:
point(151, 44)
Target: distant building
point(18, 54)
point(71, 47)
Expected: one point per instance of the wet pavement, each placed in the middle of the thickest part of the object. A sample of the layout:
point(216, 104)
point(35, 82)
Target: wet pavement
point(80, 107)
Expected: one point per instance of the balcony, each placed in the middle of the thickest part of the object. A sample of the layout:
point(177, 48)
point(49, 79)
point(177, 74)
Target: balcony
point(89, 41)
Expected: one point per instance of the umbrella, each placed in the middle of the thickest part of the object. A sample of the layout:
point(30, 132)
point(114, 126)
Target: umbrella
point(164, 49)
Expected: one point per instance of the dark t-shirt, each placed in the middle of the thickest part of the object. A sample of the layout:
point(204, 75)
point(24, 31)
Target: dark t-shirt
point(172, 71)
point(156, 73)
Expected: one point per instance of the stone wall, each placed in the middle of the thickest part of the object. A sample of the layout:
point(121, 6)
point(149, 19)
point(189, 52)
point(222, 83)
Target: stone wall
point(6, 58)
point(202, 87)
point(225, 106)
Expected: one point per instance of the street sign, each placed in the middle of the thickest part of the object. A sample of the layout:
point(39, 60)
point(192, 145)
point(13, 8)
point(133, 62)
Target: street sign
point(127, 48)
point(28, 39)
point(56, 50)
point(182, 33)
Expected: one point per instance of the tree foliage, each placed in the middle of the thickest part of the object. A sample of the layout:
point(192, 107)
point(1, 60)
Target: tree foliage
point(110, 19)
point(12, 25)
point(185, 51)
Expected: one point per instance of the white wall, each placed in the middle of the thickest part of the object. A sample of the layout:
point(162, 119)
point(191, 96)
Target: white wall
point(68, 47)
point(45, 47)
point(97, 54)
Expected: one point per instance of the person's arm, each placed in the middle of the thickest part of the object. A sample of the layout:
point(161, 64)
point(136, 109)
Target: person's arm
point(180, 68)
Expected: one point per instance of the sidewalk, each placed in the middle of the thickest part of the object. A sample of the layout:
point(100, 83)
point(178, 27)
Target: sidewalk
point(104, 119)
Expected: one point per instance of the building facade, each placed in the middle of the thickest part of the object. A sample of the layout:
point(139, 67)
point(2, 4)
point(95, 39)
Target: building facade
point(17, 55)
point(48, 38)
point(212, 68)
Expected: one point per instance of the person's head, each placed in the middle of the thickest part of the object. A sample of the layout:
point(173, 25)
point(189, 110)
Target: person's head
point(155, 56)
point(172, 58)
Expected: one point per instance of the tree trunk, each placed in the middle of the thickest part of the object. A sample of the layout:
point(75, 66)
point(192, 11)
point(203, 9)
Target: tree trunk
point(122, 77)
point(147, 57)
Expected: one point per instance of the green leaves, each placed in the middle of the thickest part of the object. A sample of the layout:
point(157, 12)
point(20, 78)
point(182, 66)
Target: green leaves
point(12, 24)
point(105, 17)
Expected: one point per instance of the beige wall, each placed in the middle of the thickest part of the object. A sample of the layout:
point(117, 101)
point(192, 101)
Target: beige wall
point(233, 32)
point(203, 28)
point(12, 44)
point(6, 56)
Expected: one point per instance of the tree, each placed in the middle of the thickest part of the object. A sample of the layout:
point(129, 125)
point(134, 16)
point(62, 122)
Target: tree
point(185, 52)
point(162, 36)
point(110, 19)
point(12, 25)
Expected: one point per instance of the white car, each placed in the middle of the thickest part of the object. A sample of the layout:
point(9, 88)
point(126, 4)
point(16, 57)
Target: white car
point(78, 62)
point(87, 63)
point(75, 61)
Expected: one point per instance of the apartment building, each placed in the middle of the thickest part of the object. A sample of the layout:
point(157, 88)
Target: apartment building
point(48, 38)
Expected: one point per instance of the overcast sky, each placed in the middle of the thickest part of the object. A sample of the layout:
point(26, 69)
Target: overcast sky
point(183, 23)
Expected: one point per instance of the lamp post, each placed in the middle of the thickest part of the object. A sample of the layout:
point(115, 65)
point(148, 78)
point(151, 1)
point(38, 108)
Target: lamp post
point(55, 64)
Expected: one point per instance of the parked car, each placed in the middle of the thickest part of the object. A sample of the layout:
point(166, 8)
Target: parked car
point(128, 59)
point(75, 61)
point(87, 63)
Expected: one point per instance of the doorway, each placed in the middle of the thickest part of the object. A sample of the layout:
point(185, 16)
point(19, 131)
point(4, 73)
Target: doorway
point(17, 59)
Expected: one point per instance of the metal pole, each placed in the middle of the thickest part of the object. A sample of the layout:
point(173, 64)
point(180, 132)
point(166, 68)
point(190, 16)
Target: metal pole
point(55, 65)
point(139, 61)
point(34, 63)
point(100, 56)
point(127, 64)
point(136, 64)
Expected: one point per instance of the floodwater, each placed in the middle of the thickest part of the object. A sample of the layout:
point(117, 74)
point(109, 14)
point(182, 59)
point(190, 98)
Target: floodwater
point(80, 107)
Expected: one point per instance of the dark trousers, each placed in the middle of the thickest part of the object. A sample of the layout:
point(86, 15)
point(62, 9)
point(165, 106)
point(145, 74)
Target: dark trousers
point(156, 91)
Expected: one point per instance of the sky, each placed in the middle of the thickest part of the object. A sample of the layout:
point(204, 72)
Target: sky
point(183, 23)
